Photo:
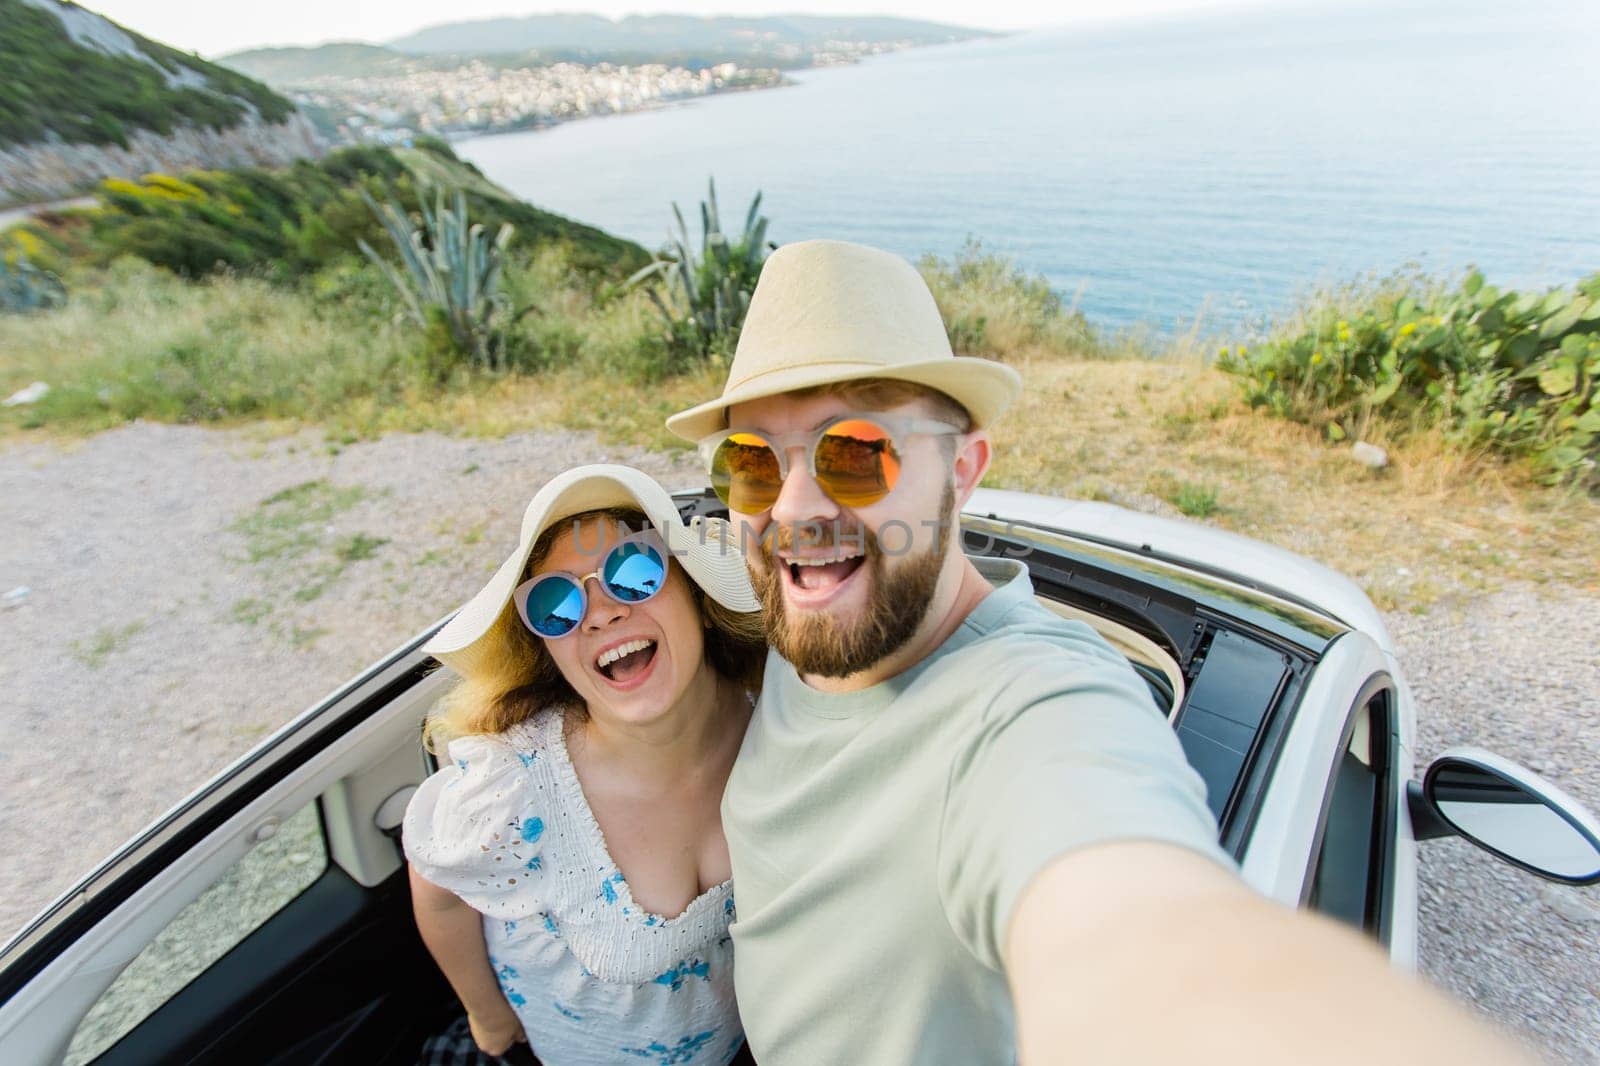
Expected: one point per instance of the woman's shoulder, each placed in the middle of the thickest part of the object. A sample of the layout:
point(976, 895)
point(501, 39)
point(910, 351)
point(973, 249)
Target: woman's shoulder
point(524, 743)
point(477, 826)
point(489, 770)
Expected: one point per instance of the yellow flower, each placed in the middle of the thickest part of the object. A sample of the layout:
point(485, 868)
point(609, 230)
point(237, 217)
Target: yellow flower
point(1316, 358)
point(1239, 350)
point(1408, 329)
point(121, 185)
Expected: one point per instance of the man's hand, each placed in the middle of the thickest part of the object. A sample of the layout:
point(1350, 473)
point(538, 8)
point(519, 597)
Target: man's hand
point(495, 1033)
point(1146, 952)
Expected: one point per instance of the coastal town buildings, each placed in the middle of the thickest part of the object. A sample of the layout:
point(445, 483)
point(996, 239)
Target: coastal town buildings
point(487, 95)
point(480, 97)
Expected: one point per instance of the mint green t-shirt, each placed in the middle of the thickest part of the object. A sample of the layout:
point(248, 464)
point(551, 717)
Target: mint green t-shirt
point(881, 838)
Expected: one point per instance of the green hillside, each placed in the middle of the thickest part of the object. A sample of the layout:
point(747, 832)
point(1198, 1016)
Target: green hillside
point(537, 40)
point(288, 67)
point(53, 85)
point(347, 59)
point(657, 34)
point(296, 220)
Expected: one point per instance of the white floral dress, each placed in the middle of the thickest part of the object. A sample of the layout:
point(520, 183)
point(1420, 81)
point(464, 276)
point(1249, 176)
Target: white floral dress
point(594, 978)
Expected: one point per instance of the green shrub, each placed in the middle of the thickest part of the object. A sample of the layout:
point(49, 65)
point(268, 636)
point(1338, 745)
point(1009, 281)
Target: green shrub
point(28, 240)
point(181, 245)
point(1195, 500)
point(25, 287)
point(993, 308)
point(287, 222)
point(1512, 372)
point(704, 295)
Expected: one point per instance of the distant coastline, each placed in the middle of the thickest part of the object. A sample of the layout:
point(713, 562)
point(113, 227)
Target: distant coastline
point(661, 104)
point(484, 96)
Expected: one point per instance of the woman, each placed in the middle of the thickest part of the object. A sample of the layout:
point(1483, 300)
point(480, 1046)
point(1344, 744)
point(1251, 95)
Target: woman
point(568, 868)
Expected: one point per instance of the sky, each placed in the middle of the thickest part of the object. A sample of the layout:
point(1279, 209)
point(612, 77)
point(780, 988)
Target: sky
point(215, 28)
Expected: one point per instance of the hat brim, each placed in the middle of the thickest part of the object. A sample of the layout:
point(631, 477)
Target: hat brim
point(984, 387)
point(705, 551)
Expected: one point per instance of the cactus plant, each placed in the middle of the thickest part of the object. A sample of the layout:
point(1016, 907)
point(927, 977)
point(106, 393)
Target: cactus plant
point(706, 294)
point(450, 274)
point(25, 287)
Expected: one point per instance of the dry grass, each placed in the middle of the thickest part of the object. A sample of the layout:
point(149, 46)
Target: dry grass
point(1167, 437)
point(618, 410)
point(1437, 521)
point(146, 344)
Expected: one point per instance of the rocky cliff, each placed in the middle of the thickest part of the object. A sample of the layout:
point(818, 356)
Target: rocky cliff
point(54, 170)
point(82, 98)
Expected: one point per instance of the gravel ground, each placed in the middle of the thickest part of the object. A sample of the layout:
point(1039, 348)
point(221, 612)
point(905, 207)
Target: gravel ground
point(151, 650)
point(189, 590)
point(1517, 672)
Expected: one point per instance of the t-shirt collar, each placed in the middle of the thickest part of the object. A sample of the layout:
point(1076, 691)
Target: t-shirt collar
point(1011, 587)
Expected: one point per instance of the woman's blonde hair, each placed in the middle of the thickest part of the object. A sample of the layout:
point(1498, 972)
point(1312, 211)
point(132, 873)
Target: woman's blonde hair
point(515, 676)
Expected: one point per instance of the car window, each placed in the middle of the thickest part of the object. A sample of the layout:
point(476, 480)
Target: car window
point(253, 890)
point(1351, 864)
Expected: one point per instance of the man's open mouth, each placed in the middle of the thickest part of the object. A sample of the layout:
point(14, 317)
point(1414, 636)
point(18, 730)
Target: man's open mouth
point(819, 574)
point(626, 661)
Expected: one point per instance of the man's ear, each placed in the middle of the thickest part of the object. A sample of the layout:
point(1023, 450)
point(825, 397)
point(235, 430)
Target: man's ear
point(972, 462)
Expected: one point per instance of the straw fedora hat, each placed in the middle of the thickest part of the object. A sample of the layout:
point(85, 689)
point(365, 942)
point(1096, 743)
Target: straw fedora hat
point(704, 548)
point(831, 311)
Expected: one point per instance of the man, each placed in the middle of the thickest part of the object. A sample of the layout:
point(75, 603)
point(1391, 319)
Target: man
point(960, 830)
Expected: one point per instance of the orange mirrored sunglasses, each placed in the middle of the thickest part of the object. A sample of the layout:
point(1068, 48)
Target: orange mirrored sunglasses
point(853, 458)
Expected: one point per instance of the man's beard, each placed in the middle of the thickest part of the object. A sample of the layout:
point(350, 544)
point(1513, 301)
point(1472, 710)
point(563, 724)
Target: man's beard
point(822, 646)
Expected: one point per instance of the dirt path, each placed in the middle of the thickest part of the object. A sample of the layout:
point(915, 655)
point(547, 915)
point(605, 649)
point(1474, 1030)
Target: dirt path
point(10, 216)
point(190, 589)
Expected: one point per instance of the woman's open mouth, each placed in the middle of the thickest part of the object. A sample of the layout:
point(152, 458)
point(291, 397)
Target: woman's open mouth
point(626, 663)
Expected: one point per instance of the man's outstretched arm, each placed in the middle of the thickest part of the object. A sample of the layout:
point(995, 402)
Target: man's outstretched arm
point(1146, 952)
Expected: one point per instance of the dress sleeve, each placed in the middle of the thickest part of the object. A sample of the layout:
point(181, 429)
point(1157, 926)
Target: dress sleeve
point(1071, 752)
point(476, 828)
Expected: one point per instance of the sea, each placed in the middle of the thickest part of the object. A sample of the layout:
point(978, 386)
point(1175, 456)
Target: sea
point(1193, 175)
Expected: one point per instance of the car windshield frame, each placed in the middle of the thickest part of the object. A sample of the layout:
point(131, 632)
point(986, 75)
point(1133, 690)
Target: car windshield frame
point(1258, 605)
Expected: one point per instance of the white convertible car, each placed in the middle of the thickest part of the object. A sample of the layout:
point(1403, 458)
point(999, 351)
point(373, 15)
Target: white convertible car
point(266, 918)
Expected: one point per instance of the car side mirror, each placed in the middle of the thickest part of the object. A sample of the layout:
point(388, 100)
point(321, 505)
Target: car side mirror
point(1508, 811)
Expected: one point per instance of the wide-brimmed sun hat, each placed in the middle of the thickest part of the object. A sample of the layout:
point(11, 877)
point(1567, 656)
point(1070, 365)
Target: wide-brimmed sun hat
point(831, 311)
point(705, 548)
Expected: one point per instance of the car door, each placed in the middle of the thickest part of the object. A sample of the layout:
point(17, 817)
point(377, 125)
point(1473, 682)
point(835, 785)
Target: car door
point(1332, 834)
point(1352, 855)
point(264, 919)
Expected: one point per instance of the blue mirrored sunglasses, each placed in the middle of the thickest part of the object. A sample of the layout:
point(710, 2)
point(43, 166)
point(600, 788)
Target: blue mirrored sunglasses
point(552, 604)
